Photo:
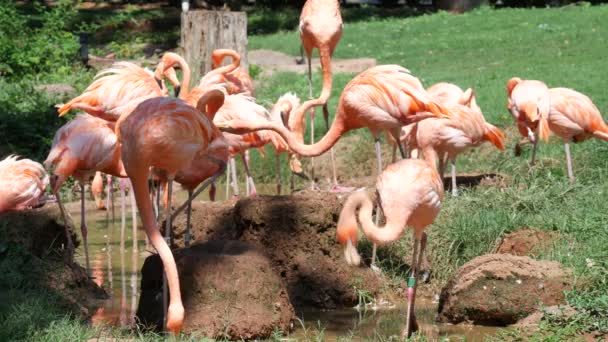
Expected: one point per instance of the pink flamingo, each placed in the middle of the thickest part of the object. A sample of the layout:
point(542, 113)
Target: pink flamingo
point(22, 184)
point(529, 102)
point(574, 117)
point(450, 137)
point(382, 98)
point(237, 81)
point(81, 147)
point(165, 134)
point(320, 27)
point(243, 107)
point(410, 194)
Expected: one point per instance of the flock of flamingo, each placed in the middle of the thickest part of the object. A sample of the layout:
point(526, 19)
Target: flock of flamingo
point(132, 129)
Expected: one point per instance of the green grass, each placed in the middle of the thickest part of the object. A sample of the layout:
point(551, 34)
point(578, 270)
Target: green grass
point(483, 49)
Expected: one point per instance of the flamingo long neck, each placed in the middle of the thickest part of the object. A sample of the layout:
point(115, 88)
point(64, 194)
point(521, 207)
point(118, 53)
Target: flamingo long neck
point(226, 69)
point(329, 139)
point(327, 82)
point(392, 230)
point(430, 156)
point(139, 179)
point(186, 80)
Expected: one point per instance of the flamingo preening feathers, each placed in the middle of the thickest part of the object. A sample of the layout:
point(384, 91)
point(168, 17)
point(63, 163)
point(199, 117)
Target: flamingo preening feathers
point(22, 183)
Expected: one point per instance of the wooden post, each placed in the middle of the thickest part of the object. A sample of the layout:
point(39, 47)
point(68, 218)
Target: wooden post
point(204, 31)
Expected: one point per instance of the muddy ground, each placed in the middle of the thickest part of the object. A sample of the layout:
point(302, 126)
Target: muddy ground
point(297, 233)
point(32, 257)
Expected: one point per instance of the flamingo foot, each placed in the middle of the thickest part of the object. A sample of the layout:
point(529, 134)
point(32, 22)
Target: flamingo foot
point(175, 318)
point(339, 188)
point(253, 194)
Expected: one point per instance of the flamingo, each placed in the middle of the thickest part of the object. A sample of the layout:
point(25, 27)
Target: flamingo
point(22, 184)
point(166, 134)
point(281, 112)
point(81, 147)
point(243, 107)
point(410, 194)
point(117, 90)
point(574, 117)
point(529, 102)
point(382, 98)
point(97, 190)
point(216, 76)
point(320, 27)
point(237, 81)
point(450, 137)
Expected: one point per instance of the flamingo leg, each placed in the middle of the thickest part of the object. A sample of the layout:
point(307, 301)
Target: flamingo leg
point(249, 182)
point(410, 323)
point(83, 227)
point(134, 213)
point(245, 158)
point(188, 216)
point(569, 161)
point(123, 215)
point(234, 180)
point(454, 185)
point(212, 192)
point(377, 220)
point(278, 160)
point(68, 234)
point(228, 172)
point(108, 189)
point(167, 241)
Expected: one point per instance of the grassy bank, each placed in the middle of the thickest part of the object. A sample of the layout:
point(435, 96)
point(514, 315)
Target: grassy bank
point(483, 49)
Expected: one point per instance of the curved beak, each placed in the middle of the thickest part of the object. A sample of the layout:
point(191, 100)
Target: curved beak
point(176, 90)
point(159, 82)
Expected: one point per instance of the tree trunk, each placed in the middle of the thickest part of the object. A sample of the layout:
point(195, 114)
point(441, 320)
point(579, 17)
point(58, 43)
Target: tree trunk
point(204, 31)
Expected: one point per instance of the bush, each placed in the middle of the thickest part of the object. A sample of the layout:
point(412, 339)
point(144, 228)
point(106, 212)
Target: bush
point(34, 49)
point(25, 50)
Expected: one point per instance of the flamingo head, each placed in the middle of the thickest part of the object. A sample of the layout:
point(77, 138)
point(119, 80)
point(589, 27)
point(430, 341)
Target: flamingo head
point(171, 75)
point(347, 235)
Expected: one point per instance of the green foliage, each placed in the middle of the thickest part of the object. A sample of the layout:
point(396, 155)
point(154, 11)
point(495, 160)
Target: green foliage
point(26, 50)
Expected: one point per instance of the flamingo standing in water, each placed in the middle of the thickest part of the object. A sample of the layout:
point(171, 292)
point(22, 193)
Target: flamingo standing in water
point(529, 102)
point(574, 117)
point(320, 27)
point(165, 134)
point(22, 184)
point(237, 81)
point(410, 194)
point(81, 147)
point(450, 137)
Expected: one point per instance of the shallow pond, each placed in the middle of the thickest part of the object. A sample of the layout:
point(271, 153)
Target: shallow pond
point(117, 270)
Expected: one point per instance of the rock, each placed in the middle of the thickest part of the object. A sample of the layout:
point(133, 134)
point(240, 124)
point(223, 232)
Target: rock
point(500, 289)
point(229, 290)
point(526, 242)
point(298, 234)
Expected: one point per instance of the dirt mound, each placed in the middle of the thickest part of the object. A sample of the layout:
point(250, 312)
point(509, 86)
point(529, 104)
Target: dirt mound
point(40, 231)
point(298, 234)
point(500, 289)
point(527, 242)
point(31, 257)
point(229, 291)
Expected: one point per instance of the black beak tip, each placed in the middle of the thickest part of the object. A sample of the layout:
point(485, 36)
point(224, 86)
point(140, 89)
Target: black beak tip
point(176, 90)
point(159, 82)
